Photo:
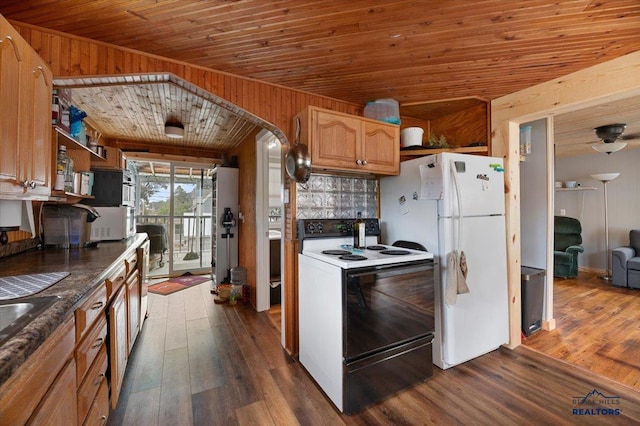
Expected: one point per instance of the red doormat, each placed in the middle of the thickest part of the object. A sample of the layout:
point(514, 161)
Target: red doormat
point(173, 285)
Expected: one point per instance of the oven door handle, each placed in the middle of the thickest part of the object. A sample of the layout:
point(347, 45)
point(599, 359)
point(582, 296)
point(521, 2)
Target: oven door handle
point(391, 271)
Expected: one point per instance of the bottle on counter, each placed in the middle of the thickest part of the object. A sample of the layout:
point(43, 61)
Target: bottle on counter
point(359, 232)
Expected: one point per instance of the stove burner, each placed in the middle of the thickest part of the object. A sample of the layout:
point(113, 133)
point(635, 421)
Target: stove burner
point(336, 252)
point(394, 252)
point(376, 247)
point(352, 257)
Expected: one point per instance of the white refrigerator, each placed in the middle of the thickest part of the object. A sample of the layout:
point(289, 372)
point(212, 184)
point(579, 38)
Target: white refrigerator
point(422, 204)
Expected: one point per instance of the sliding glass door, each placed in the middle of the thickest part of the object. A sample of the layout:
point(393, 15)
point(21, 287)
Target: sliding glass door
point(174, 208)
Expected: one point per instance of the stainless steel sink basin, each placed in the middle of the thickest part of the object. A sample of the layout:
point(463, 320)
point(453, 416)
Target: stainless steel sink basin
point(15, 315)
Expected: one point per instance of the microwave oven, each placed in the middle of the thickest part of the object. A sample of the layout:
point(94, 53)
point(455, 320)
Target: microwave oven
point(112, 188)
point(114, 223)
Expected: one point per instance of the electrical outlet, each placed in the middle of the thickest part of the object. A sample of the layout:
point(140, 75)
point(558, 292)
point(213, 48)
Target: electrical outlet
point(563, 212)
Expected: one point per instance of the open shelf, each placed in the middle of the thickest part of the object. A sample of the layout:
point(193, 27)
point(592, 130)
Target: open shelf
point(577, 188)
point(461, 150)
point(71, 143)
point(68, 197)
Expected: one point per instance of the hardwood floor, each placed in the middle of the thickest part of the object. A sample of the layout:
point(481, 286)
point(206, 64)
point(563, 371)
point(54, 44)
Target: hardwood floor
point(598, 328)
point(196, 362)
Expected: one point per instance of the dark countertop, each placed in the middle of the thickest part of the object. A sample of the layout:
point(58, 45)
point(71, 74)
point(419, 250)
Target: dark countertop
point(88, 267)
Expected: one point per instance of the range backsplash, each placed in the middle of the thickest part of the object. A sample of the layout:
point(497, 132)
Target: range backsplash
point(336, 197)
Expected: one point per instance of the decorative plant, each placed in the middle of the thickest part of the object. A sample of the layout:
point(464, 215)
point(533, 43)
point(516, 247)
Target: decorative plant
point(435, 142)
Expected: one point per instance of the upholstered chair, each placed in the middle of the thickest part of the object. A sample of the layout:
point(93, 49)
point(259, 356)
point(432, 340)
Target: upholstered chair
point(625, 262)
point(567, 241)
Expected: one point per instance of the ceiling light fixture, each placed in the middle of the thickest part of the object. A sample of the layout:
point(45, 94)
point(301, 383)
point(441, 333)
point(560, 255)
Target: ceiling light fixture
point(174, 130)
point(609, 134)
point(609, 147)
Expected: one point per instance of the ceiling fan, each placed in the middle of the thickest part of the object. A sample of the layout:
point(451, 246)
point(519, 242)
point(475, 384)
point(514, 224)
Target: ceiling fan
point(611, 138)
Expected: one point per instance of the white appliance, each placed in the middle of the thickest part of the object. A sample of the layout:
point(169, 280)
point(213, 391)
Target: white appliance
point(114, 223)
point(224, 244)
point(366, 315)
point(422, 205)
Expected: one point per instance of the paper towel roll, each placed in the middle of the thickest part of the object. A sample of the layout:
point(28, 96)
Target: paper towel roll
point(28, 223)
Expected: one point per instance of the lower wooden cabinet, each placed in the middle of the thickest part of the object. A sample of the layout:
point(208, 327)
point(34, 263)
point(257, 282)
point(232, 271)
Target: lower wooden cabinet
point(133, 307)
point(58, 407)
point(89, 388)
point(87, 350)
point(46, 372)
point(118, 342)
point(99, 411)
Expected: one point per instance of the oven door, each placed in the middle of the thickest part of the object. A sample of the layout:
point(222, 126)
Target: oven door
point(386, 306)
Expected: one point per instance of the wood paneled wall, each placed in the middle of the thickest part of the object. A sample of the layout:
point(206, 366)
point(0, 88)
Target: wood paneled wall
point(247, 181)
point(70, 56)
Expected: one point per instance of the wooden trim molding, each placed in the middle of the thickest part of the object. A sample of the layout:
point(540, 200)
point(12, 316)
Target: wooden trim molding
point(608, 81)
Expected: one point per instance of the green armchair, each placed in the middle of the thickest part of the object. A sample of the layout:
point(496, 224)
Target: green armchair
point(567, 233)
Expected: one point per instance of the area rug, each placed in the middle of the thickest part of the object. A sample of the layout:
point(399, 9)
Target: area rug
point(175, 284)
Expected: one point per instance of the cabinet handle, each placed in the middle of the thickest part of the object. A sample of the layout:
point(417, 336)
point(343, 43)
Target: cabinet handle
point(104, 419)
point(364, 162)
point(100, 377)
point(33, 184)
point(25, 184)
point(99, 342)
point(97, 305)
point(359, 162)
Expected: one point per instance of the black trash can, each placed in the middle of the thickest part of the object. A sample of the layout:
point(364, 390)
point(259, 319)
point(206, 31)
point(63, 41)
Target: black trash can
point(532, 280)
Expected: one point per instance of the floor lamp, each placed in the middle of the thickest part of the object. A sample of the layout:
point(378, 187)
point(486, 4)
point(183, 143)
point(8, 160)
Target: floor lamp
point(606, 178)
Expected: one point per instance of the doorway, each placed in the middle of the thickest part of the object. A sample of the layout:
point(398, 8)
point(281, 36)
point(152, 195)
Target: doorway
point(269, 223)
point(174, 207)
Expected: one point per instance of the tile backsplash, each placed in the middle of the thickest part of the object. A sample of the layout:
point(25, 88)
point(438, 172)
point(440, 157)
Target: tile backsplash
point(336, 197)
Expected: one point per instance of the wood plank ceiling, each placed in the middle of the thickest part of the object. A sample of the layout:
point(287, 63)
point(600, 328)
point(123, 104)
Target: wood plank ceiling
point(362, 49)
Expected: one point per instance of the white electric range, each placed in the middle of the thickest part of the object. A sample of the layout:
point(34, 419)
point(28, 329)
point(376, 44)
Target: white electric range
point(365, 315)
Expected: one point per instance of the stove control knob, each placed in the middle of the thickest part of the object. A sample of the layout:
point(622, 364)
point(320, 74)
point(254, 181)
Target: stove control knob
point(320, 227)
point(311, 228)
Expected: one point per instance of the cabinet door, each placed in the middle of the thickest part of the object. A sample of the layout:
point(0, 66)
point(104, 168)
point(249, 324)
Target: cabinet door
point(58, 407)
point(380, 148)
point(118, 343)
point(133, 307)
point(38, 161)
point(11, 72)
point(334, 140)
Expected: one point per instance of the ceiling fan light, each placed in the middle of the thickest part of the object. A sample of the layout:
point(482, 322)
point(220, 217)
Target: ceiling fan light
point(610, 147)
point(174, 130)
point(610, 132)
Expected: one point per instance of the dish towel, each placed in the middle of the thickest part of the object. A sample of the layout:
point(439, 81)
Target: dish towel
point(457, 277)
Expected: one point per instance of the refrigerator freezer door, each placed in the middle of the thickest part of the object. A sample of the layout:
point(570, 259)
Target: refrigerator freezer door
point(481, 182)
point(478, 322)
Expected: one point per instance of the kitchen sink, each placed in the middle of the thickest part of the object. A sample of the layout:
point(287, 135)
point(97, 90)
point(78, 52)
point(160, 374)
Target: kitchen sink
point(17, 314)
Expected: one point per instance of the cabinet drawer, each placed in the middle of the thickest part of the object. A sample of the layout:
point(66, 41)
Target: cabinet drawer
point(116, 280)
point(131, 262)
point(89, 347)
point(100, 408)
point(90, 310)
point(91, 384)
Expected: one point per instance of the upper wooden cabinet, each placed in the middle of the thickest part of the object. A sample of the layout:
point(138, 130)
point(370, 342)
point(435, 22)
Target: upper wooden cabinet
point(25, 119)
point(344, 142)
point(464, 122)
